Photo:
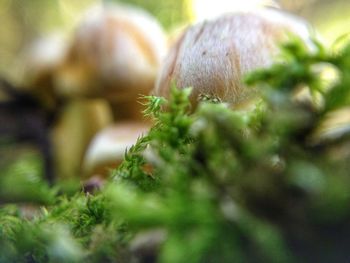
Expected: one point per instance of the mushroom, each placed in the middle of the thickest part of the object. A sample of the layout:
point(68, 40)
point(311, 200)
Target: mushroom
point(106, 150)
point(41, 58)
point(115, 54)
point(78, 122)
point(75, 119)
point(212, 56)
point(112, 59)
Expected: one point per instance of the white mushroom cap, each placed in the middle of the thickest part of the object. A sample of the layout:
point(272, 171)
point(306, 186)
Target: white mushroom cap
point(108, 147)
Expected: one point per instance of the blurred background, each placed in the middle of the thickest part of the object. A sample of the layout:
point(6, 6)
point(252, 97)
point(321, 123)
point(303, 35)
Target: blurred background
point(24, 21)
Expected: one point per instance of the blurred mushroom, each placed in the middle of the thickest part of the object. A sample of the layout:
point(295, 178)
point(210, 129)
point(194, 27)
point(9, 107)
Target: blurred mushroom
point(76, 119)
point(78, 123)
point(115, 54)
point(213, 56)
point(106, 151)
point(40, 62)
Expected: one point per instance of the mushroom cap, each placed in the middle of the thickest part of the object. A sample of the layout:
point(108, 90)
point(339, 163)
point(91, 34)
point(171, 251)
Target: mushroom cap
point(115, 53)
point(108, 147)
point(212, 56)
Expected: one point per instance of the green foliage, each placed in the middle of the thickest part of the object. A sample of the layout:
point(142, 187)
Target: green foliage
point(262, 185)
point(21, 180)
point(170, 131)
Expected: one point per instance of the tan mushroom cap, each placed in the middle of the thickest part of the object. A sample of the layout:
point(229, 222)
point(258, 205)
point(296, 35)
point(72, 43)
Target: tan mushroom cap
point(213, 56)
point(115, 53)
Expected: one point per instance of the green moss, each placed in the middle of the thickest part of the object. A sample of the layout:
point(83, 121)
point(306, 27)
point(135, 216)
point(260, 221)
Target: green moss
point(222, 185)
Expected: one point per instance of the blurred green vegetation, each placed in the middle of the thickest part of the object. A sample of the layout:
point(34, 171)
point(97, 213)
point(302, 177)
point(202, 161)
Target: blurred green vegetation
point(21, 177)
point(24, 21)
point(330, 18)
point(223, 186)
point(169, 12)
point(214, 185)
